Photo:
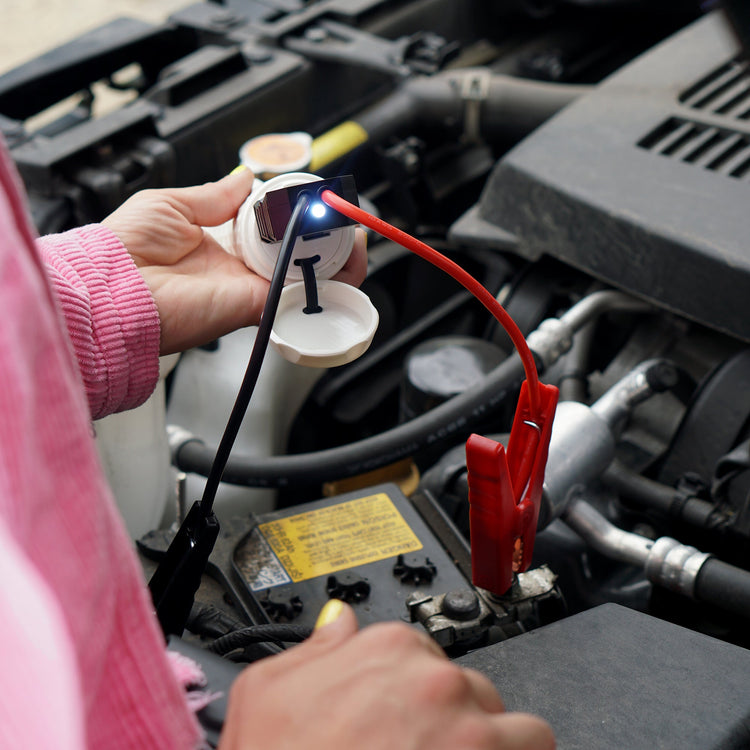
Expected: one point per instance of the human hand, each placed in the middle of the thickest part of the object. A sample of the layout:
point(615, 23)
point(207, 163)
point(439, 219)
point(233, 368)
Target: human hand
point(387, 686)
point(200, 290)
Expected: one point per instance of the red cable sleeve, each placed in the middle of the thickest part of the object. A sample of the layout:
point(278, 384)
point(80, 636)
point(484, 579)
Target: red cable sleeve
point(453, 269)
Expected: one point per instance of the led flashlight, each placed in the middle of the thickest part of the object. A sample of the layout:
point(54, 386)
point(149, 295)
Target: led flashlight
point(317, 210)
point(273, 211)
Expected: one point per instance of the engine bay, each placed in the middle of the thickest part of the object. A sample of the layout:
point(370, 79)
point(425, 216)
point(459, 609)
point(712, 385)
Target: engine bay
point(586, 161)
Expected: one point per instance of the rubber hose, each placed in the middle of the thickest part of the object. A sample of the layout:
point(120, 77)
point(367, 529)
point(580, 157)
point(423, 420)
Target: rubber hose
point(639, 489)
point(444, 424)
point(512, 107)
point(724, 586)
point(647, 493)
point(573, 382)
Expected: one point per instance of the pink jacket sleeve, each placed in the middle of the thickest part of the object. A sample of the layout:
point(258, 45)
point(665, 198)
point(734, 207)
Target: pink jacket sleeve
point(110, 315)
point(83, 661)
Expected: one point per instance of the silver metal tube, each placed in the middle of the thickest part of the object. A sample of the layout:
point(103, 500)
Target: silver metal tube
point(599, 303)
point(637, 386)
point(554, 336)
point(665, 561)
point(604, 536)
point(674, 565)
point(182, 501)
point(583, 438)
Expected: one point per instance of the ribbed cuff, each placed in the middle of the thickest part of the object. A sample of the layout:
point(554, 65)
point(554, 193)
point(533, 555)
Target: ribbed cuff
point(110, 315)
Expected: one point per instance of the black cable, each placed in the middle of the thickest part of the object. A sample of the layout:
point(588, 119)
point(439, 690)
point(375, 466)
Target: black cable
point(442, 425)
point(277, 633)
point(179, 574)
point(254, 652)
point(258, 354)
point(211, 622)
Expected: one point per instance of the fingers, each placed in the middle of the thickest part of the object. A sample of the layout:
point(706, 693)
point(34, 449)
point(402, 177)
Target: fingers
point(484, 692)
point(336, 623)
point(518, 731)
point(355, 268)
point(385, 686)
point(215, 202)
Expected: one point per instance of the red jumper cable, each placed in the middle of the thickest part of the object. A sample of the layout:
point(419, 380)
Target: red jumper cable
point(505, 486)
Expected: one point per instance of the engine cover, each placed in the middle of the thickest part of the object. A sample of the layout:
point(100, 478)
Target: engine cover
point(612, 677)
point(643, 183)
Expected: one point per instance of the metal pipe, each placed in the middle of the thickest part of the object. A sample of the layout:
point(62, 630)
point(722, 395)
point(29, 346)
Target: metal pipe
point(599, 303)
point(604, 536)
point(554, 336)
point(583, 438)
point(581, 447)
point(650, 377)
point(666, 562)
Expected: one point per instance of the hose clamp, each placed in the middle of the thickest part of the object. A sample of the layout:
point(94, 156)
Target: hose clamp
point(475, 89)
point(177, 437)
point(551, 340)
point(674, 565)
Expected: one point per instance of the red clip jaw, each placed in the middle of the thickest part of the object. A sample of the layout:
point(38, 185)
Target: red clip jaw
point(505, 491)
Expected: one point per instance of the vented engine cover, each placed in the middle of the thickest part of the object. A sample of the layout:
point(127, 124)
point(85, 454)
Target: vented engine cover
point(644, 183)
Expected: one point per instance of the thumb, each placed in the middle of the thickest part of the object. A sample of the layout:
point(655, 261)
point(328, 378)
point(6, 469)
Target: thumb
point(335, 624)
point(215, 202)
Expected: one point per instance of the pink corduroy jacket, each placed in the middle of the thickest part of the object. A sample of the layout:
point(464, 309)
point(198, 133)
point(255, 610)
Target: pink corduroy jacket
point(82, 660)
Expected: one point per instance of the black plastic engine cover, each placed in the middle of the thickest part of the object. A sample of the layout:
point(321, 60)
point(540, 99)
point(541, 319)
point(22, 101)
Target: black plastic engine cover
point(611, 677)
point(644, 183)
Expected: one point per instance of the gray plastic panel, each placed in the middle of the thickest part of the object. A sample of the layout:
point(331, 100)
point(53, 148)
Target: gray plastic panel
point(615, 678)
point(601, 187)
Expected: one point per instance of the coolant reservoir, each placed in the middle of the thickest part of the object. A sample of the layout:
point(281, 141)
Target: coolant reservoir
point(135, 456)
point(204, 389)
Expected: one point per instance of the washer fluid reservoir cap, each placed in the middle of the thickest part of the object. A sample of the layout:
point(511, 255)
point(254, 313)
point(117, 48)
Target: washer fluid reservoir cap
point(338, 334)
point(277, 153)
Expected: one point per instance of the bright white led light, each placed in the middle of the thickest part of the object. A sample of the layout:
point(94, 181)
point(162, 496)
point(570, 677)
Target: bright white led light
point(318, 210)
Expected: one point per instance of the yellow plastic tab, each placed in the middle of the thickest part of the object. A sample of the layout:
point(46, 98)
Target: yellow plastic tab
point(336, 143)
point(353, 533)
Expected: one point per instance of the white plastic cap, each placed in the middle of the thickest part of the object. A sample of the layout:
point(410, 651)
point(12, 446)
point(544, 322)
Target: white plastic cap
point(276, 153)
point(339, 334)
point(333, 248)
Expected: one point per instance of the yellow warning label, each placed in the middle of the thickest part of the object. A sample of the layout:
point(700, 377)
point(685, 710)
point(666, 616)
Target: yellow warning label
point(341, 536)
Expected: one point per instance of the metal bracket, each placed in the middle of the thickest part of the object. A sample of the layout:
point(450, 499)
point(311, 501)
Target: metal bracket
point(468, 617)
point(423, 52)
point(435, 615)
point(475, 89)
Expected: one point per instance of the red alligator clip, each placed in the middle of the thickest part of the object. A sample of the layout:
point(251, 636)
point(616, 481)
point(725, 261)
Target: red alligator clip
point(505, 490)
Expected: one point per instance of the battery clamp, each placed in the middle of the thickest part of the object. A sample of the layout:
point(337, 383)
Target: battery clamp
point(505, 492)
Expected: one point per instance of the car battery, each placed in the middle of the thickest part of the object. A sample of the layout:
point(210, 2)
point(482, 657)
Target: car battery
point(370, 548)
